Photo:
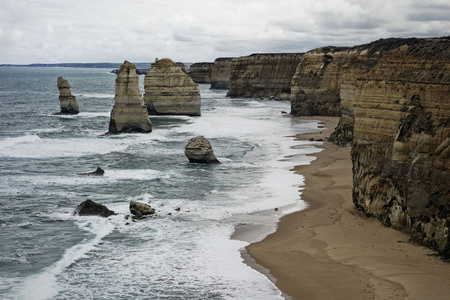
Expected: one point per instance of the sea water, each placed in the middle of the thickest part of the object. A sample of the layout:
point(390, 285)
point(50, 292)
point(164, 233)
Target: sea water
point(185, 250)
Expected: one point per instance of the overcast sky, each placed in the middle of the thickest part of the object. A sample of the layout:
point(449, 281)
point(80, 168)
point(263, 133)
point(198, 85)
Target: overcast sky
point(52, 31)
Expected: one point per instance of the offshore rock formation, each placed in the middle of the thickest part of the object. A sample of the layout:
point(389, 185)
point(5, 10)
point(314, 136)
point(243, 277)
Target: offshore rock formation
point(263, 75)
point(68, 103)
point(401, 140)
point(221, 73)
point(98, 172)
point(141, 209)
point(201, 72)
point(91, 208)
point(129, 114)
point(170, 91)
point(199, 150)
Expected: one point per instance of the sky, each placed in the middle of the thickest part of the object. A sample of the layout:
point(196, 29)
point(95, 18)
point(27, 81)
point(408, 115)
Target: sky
point(81, 31)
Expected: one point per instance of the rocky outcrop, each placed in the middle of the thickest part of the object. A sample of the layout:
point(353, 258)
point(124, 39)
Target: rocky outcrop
point(221, 73)
point(129, 113)
point(316, 85)
point(170, 91)
point(199, 150)
point(91, 208)
point(68, 102)
point(401, 139)
point(98, 172)
point(263, 75)
point(201, 72)
point(139, 209)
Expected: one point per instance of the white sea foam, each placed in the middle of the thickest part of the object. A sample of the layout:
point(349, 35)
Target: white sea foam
point(44, 285)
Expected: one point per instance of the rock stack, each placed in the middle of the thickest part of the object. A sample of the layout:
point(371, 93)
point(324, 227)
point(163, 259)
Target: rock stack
point(170, 91)
point(199, 150)
point(129, 113)
point(68, 103)
point(221, 73)
point(201, 72)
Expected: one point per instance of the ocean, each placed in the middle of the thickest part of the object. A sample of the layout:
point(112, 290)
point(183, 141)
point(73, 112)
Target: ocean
point(185, 250)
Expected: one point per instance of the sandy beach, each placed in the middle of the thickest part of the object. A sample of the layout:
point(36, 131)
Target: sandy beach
point(331, 251)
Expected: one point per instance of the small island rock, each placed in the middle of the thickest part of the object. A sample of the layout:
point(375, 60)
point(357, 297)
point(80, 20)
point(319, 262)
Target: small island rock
point(141, 209)
point(91, 208)
point(98, 172)
point(199, 150)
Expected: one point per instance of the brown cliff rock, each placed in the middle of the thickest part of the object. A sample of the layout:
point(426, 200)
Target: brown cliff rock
point(401, 139)
point(129, 113)
point(316, 85)
point(263, 75)
point(221, 73)
point(201, 72)
point(170, 91)
point(68, 102)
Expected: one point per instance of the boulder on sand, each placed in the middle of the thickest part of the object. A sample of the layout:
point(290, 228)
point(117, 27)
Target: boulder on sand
point(199, 150)
point(91, 208)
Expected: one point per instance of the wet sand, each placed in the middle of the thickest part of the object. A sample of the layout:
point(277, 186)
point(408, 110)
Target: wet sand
point(331, 251)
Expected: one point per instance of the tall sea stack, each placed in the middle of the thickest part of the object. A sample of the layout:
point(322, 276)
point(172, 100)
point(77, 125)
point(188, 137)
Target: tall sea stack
point(129, 113)
point(170, 91)
point(68, 103)
point(221, 73)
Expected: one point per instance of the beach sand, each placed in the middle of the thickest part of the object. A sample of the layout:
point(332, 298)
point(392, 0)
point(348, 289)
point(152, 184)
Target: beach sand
point(331, 251)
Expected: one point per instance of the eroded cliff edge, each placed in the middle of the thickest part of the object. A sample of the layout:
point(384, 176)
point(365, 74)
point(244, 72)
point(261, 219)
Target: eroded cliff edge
point(263, 75)
point(393, 97)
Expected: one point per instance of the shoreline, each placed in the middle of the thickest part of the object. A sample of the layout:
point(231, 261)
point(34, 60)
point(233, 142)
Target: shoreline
point(331, 251)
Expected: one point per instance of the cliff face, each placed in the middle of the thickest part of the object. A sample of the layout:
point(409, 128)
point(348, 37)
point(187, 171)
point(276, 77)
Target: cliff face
point(263, 75)
point(401, 138)
point(170, 91)
point(129, 113)
point(201, 72)
point(316, 84)
point(221, 73)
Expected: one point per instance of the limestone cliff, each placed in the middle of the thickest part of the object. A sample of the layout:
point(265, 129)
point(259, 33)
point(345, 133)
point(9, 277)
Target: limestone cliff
point(401, 139)
point(317, 81)
point(170, 91)
point(129, 113)
point(67, 102)
point(263, 75)
point(221, 73)
point(201, 72)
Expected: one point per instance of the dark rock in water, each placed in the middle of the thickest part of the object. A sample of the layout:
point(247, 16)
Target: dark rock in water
point(98, 172)
point(90, 208)
point(141, 209)
point(199, 150)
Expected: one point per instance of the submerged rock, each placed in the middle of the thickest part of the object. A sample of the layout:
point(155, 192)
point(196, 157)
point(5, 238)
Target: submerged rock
point(141, 209)
point(91, 208)
point(170, 91)
point(98, 172)
point(199, 150)
point(68, 102)
point(129, 113)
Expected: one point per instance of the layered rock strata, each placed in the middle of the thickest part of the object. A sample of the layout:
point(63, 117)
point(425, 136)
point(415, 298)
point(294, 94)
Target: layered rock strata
point(170, 91)
point(199, 150)
point(201, 72)
point(221, 73)
point(316, 84)
point(68, 102)
point(401, 140)
point(263, 75)
point(129, 114)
